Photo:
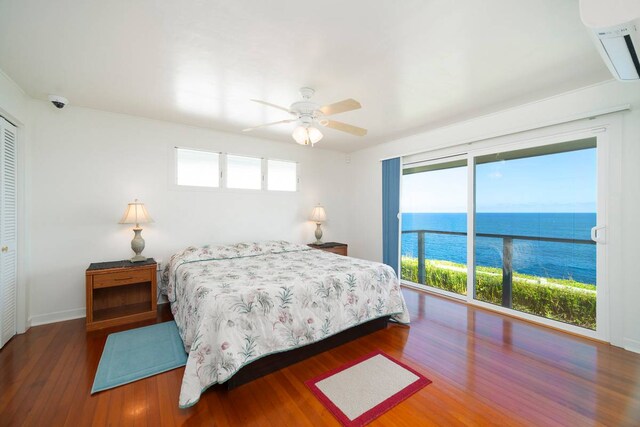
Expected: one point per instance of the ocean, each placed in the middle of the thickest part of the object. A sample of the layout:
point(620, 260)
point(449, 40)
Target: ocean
point(544, 259)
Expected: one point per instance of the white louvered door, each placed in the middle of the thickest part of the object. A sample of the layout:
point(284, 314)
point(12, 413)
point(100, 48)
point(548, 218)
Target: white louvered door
point(8, 230)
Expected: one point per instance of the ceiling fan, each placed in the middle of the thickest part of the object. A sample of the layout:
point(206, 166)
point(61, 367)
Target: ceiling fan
point(307, 114)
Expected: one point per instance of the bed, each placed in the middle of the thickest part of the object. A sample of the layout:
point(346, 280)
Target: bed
point(238, 304)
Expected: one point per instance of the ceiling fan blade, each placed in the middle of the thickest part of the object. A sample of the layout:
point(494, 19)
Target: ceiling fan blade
point(340, 107)
point(271, 105)
point(268, 124)
point(353, 130)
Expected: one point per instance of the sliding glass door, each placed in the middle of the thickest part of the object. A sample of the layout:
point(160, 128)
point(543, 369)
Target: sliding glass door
point(434, 224)
point(519, 226)
point(534, 211)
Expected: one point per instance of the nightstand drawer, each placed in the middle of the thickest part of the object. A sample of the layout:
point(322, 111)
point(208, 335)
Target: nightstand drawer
point(121, 278)
point(340, 250)
point(333, 247)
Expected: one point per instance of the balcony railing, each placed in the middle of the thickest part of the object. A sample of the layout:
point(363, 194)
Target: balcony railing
point(507, 255)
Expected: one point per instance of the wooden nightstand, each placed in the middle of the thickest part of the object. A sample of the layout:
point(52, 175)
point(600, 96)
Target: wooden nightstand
point(120, 292)
point(335, 247)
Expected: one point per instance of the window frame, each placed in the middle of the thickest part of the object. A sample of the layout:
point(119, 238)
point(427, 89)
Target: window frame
point(266, 176)
point(196, 187)
point(223, 167)
point(225, 173)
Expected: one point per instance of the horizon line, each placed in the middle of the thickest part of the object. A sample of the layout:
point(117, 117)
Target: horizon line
point(494, 212)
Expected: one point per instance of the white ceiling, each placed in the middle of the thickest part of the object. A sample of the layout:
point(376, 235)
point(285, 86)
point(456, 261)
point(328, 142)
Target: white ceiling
point(413, 64)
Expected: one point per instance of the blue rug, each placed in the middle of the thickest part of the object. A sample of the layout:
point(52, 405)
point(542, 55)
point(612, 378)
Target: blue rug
point(139, 353)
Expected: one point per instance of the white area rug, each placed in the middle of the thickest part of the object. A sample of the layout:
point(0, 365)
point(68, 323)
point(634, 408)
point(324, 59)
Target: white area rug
point(362, 390)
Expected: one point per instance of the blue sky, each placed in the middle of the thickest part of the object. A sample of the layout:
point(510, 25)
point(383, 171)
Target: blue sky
point(564, 182)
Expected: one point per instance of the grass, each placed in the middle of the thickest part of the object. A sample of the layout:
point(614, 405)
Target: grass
point(559, 299)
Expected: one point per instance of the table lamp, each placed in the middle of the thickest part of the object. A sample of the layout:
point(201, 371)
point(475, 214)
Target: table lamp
point(136, 214)
point(318, 215)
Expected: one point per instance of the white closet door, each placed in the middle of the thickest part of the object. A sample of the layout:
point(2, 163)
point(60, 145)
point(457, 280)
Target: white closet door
point(8, 230)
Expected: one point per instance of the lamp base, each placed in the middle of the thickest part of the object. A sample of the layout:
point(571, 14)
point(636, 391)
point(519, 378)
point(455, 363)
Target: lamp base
point(318, 234)
point(137, 245)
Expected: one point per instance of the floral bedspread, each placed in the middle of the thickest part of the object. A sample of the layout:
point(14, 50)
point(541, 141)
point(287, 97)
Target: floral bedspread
point(234, 304)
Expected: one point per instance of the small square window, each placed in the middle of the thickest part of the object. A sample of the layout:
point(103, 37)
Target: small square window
point(282, 175)
point(244, 172)
point(197, 168)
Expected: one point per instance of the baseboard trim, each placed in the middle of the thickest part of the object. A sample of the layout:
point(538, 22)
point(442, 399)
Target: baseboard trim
point(631, 345)
point(58, 316)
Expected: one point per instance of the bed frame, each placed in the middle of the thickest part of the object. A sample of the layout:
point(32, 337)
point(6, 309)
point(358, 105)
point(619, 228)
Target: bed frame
point(273, 362)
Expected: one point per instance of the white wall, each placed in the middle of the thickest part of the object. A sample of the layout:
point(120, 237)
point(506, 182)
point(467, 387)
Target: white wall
point(85, 165)
point(13, 101)
point(365, 176)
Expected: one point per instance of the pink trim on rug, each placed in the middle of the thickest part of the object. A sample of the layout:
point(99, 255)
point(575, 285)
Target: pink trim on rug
point(377, 410)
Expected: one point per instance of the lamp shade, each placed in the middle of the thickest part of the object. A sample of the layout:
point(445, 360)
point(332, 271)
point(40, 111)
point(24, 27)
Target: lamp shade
point(135, 214)
point(318, 214)
point(305, 135)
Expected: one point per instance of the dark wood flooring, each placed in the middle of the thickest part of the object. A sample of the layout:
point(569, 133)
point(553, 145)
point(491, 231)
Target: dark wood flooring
point(486, 369)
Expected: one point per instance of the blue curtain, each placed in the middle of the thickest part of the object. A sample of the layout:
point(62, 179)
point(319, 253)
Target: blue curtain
point(390, 210)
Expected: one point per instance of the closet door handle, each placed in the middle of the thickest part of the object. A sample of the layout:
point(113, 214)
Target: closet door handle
point(5, 249)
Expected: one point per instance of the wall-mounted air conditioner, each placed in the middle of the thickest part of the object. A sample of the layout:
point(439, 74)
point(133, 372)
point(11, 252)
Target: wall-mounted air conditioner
point(615, 28)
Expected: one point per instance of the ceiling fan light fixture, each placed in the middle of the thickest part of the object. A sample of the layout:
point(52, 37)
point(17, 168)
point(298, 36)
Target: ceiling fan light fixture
point(308, 113)
point(306, 135)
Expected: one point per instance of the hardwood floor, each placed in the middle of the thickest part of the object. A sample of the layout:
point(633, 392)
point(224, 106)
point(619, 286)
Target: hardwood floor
point(486, 369)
